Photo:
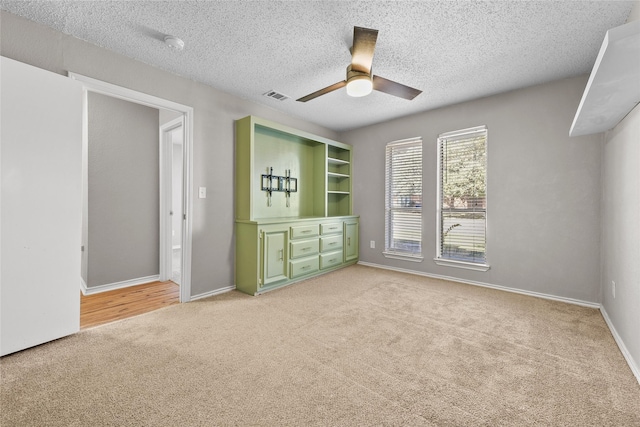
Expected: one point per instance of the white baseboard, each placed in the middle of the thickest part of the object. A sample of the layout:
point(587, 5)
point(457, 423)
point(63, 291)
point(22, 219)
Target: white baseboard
point(486, 285)
point(212, 293)
point(118, 285)
point(83, 286)
point(623, 348)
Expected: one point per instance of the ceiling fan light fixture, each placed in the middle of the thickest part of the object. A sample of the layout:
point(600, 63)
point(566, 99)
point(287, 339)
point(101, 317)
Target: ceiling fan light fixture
point(360, 85)
point(360, 79)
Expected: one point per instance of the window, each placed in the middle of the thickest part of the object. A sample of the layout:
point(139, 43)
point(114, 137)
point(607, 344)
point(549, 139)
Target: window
point(462, 199)
point(403, 200)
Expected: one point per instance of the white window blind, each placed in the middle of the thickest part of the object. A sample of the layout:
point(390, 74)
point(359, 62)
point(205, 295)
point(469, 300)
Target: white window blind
point(462, 198)
point(403, 198)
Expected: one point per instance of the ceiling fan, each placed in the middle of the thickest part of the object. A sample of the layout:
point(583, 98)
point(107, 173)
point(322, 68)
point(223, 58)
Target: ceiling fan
point(360, 81)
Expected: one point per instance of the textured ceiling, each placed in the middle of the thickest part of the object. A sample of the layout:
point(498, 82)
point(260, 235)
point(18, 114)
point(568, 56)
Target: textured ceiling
point(452, 50)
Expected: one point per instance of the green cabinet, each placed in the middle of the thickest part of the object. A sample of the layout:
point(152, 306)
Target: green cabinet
point(350, 240)
point(271, 253)
point(293, 205)
point(274, 257)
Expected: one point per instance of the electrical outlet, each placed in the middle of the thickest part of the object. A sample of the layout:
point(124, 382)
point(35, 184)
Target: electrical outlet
point(613, 288)
point(372, 244)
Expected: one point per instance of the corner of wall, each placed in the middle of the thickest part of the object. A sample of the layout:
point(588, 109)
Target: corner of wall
point(634, 15)
point(635, 368)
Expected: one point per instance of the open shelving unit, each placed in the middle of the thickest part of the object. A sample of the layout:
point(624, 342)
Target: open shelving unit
point(338, 180)
point(321, 166)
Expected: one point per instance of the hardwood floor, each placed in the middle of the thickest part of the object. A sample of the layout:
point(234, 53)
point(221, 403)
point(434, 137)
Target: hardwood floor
point(105, 307)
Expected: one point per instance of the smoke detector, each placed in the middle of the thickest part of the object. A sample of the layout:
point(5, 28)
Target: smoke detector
point(174, 42)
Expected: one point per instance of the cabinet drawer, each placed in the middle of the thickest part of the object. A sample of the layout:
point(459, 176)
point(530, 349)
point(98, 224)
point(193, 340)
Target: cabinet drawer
point(331, 228)
point(330, 243)
point(303, 266)
point(304, 248)
point(330, 259)
point(300, 231)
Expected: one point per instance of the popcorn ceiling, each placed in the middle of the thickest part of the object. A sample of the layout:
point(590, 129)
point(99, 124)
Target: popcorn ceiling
point(453, 51)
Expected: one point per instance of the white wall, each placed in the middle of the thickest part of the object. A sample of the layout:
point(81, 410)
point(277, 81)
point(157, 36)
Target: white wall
point(214, 115)
point(621, 230)
point(543, 190)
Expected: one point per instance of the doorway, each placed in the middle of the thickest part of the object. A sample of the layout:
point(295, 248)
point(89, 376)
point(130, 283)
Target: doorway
point(172, 158)
point(174, 178)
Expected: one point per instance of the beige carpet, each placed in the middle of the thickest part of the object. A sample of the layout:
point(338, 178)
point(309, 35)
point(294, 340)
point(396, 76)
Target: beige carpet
point(356, 347)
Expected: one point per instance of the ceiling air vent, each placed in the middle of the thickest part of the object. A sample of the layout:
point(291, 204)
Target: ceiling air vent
point(275, 95)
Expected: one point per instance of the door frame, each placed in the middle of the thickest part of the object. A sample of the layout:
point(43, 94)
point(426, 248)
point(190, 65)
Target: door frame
point(97, 86)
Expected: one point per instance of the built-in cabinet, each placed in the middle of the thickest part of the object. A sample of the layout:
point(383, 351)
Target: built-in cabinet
point(293, 205)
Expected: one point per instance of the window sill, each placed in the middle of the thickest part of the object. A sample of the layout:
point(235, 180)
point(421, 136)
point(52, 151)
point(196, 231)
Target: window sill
point(402, 256)
point(462, 264)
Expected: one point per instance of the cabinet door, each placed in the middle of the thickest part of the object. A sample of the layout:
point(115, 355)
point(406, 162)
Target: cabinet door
point(350, 241)
point(274, 262)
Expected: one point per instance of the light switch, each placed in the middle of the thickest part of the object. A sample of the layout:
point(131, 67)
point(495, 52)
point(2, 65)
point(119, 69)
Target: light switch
point(202, 192)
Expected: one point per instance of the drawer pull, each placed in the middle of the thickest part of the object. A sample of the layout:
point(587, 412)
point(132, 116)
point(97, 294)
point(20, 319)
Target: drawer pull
point(306, 231)
point(306, 249)
point(333, 243)
point(332, 260)
point(306, 267)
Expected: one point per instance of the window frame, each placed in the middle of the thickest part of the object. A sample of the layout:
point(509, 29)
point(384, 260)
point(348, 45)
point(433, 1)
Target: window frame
point(390, 252)
point(439, 260)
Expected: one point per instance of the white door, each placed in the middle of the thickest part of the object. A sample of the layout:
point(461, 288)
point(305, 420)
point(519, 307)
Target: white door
point(176, 204)
point(40, 205)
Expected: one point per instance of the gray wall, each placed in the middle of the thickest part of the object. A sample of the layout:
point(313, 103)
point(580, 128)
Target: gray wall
point(543, 190)
point(214, 115)
point(621, 228)
point(123, 220)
